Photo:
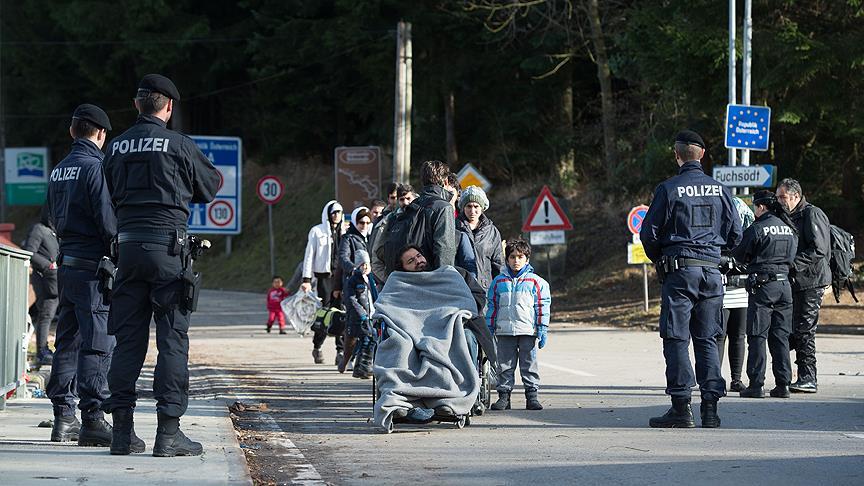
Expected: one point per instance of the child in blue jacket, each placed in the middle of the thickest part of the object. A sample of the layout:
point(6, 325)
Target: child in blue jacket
point(518, 315)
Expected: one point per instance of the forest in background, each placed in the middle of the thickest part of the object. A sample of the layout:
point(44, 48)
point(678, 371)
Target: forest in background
point(587, 93)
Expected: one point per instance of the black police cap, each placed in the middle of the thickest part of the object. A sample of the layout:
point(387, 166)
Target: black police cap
point(93, 114)
point(765, 198)
point(160, 84)
point(689, 137)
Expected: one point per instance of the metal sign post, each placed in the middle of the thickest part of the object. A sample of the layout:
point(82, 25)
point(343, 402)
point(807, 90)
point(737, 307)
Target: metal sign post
point(270, 190)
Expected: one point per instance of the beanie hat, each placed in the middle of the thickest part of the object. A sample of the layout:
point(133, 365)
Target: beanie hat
point(476, 195)
point(361, 257)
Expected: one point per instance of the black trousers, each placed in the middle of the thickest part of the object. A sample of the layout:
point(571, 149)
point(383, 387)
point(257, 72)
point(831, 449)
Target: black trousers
point(692, 300)
point(43, 310)
point(83, 347)
point(805, 318)
point(769, 317)
point(149, 286)
point(735, 328)
point(326, 286)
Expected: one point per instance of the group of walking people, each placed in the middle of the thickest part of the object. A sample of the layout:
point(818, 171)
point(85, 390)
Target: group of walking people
point(439, 225)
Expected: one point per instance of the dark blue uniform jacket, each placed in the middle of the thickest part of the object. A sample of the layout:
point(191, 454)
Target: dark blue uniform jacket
point(691, 216)
point(79, 204)
point(153, 174)
point(768, 246)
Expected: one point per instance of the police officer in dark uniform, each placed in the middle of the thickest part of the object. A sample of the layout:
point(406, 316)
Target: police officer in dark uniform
point(80, 208)
point(153, 173)
point(691, 219)
point(768, 248)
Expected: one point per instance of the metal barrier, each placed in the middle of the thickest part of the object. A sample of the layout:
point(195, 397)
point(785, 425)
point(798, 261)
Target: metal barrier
point(14, 278)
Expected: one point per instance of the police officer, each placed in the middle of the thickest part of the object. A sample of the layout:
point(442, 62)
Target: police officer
point(80, 209)
point(768, 248)
point(153, 174)
point(691, 219)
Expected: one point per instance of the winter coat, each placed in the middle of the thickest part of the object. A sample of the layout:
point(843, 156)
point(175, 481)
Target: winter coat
point(352, 241)
point(465, 256)
point(361, 296)
point(812, 267)
point(42, 241)
point(518, 304)
point(486, 240)
point(439, 246)
point(319, 246)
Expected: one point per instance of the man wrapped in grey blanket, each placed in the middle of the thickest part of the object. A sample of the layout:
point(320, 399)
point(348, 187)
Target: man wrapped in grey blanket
point(424, 359)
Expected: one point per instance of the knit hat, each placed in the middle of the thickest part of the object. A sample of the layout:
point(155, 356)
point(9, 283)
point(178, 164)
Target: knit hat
point(361, 257)
point(476, 195)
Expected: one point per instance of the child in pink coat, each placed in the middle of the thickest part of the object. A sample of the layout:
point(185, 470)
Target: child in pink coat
point(275, 296)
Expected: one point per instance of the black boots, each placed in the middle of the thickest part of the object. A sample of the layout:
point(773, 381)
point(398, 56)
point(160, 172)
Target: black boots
point(170, 440)
point(531, 401)
point(65, 428)
point(680, 415)
point(123, 438)
point(753, 392)
point(710, 420)
point(503, 402)
point(780, 391)
point(318, 356)
point(95, 432)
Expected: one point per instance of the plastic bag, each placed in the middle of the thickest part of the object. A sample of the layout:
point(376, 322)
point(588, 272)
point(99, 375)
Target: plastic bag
point(300, 310)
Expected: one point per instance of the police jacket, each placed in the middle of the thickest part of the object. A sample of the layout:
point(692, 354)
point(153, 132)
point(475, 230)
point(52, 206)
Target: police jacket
point(768, 246)
point(79, 204)
point(42, 241)
point(153, 174)
point(439, 246)
point(486, 240)
point(691, 216)
point(812, 268)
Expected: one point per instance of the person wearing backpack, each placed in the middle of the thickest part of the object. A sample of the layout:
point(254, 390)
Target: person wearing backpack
point(812, 275)
point(768, 249)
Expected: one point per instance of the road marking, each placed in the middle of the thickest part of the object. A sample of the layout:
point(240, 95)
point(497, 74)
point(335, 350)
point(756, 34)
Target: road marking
point(566, 370)
point(305, 473)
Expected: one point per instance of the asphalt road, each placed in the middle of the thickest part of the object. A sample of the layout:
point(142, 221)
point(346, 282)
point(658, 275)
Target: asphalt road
point(600, 386)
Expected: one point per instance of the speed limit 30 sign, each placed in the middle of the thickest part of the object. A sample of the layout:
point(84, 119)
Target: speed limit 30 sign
point(270, 189)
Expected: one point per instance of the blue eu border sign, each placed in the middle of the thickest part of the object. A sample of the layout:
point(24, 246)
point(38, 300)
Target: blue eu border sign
point(222, 215)
point(747, 127)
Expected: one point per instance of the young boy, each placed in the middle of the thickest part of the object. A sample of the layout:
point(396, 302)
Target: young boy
point(362, 295)
point(518, 314)
point(275, 296)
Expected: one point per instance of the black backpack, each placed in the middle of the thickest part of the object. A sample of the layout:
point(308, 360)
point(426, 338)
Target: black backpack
point(406, 227)
point(842, 253)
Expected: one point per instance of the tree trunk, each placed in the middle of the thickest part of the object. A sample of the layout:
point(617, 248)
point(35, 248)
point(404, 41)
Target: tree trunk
point(450, 127)
point(566, 159)
point(604, 75)
point(852, 191)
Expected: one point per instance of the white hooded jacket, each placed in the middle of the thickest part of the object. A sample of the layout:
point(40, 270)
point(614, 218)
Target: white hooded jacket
point(319, 244)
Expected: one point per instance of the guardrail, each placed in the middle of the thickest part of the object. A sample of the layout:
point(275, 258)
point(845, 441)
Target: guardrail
point(14, 278)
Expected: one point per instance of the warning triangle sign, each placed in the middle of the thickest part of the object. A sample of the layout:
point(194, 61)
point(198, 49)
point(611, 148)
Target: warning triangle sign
point(546, 215)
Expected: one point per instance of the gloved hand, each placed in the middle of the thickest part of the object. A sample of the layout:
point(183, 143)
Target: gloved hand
point(541, 335)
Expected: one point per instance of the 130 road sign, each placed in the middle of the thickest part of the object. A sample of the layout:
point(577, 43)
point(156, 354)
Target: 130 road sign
point(745, 175)
point(270, 189)
point(747, 127)
point(222, 215)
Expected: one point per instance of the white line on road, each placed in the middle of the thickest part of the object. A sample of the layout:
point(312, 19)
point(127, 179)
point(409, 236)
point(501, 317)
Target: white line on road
point(566, 370)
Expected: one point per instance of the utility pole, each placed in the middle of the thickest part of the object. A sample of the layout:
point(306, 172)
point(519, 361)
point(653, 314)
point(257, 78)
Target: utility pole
point(402, 125)
point(733, 75)
point(746, 70)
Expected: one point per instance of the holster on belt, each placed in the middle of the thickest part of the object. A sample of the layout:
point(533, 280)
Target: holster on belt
point(106, 271)
point(191, 248)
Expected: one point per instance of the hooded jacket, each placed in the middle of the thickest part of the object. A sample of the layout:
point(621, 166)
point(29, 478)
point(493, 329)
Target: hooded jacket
point(812, 267)
point(319, 244)
point(486, 240)
point(351, 242)
point(518, 303)
point(42, 241)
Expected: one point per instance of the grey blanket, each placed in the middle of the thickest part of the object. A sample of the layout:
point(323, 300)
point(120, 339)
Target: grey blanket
point(424, 360)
